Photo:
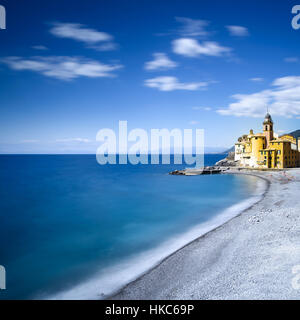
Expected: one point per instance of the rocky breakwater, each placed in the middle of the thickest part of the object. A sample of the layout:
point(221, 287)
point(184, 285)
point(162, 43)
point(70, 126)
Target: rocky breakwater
point(220, 167)
point(197, 172)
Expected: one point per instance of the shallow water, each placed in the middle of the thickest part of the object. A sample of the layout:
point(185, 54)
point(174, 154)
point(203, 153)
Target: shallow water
point(70, 228)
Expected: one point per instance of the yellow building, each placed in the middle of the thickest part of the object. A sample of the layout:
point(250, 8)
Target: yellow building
point(267, 149)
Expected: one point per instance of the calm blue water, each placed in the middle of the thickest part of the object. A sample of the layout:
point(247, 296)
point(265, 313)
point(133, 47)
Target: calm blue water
point(65, 218)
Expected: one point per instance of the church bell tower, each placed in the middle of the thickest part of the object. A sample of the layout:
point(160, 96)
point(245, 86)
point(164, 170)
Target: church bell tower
point(268, 128)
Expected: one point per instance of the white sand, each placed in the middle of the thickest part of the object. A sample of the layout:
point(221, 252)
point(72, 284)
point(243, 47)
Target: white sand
point(249, 257)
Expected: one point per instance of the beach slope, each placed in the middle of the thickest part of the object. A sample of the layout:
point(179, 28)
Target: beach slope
point(249, 257)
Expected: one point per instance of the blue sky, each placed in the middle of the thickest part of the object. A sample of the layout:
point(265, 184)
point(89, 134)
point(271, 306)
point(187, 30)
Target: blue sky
point(71, 68)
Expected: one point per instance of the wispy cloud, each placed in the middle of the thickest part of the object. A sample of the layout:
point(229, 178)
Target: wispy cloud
point(202, 108)
point(283, 99)
point(238, 31)
point(29, 141)
point(74, 140)
point(92, 38)
point(171, 83)
point(193, 48)
point(291, 59)
point(192, 27)
point(40, 47)
point(63, 68)
point(280, 131)
point(257, 79)
point(161, 61)
point(193, 122)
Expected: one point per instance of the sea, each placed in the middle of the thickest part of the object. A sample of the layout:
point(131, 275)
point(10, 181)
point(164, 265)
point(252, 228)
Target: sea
point(73, 229)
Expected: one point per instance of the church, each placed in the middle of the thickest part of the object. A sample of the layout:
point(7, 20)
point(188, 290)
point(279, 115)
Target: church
point(267, 150)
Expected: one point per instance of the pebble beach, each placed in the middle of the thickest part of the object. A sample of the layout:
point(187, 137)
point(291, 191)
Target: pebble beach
point(255, 255)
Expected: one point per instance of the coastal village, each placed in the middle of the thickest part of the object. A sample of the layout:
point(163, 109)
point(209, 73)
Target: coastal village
point(262, 151)
point(267, 150)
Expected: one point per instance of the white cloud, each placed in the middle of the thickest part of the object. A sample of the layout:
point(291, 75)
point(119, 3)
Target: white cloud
point(193, 122)
point(64, 68)
point(192, 27)
point(257, 79)
point(74, 140)
point(282, 99)
point(108, 46)
point(291, 59)
point(40, 47)
point(161, 61)
point(94, 39)
point(171, 83)
point(202, 108)
point(238, 31)
point(192, 48)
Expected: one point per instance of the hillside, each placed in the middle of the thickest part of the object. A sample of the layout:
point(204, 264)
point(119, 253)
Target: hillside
point(295, 134)
point(229, 150)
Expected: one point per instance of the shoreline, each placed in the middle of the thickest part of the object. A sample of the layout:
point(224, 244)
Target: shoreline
point(130, 270)
point(146, 285)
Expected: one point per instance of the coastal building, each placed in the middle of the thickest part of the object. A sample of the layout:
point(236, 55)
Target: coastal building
point(267, 149)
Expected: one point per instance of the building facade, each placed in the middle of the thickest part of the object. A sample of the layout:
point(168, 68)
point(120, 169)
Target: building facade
point(267, 150)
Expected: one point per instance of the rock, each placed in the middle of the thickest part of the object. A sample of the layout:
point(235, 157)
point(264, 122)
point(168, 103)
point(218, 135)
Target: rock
point(227, 163)
point(177, 172)
point(230, 156)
